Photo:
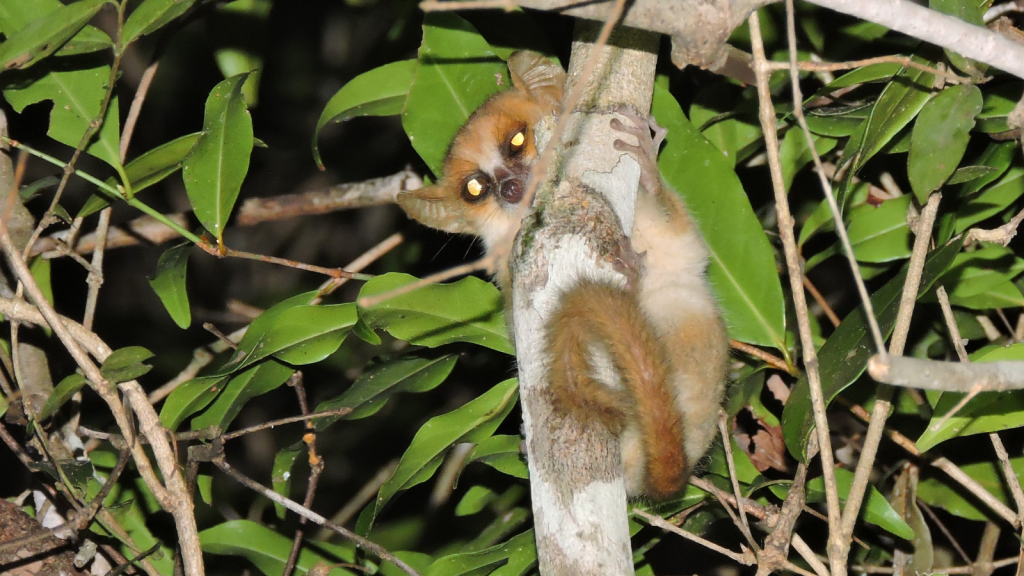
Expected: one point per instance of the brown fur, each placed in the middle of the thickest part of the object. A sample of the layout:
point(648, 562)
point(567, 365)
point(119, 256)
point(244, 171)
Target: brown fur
point(621, 328)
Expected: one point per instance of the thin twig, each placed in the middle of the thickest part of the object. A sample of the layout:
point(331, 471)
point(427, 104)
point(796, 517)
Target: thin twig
point(292, 419)
point(746, 557)
point(1001, 235)
point(294, 506)
point(346, 196)
point(848, 65)
point(942, 528)
point(826, 186)
point(361, 498)
point(443, 6)
point(951, 570)
point(767, 358)
point(785, 224)
point(136, 108)
point(776, 546)
point(94, 125)
point(723, 428)
point(954, 330)
point(944, 464)
point(316, 467)
point(820, 299)
point(948, 376)
point(95, 277)
point(173, 497)
point(883, 400)
point(369, 257)
point(232, 253)
point(254, 211)
point(986, 550)
point(371, 301)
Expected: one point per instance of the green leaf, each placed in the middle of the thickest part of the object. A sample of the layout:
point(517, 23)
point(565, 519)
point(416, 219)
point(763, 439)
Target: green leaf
point(880, 234)
point(281, 473)
point(89, 39)
point(999, 103)
point(267, 549)
point(501, 453)
point(726, 120)
point(969, 173)
point(898, 104)
point(875, 509)
point(742, 268)
point(126, 364)
point(469, 310)
point(986, 412)
point(67, 388)
point(512, 557)
point(43, 36)
point(382, 380)
point(169, 283)
point(991, 201)
point(795, 154)
point(205, 484)
point(379, 92)
point(147, 170)
point(41, 270)
point(217, 165)
point(940, 138)
point(881, 72)
point(983, 279)
point(244, 386)
point(998, 156)
point(297, 334)
point(152, 15)
point(473, 422)
point(939, 491)
point(474, 501)
point(189, 398)
point(77, 93)
point(837, 123)
point(843, 357)
point(457, 71)
point(259, 327)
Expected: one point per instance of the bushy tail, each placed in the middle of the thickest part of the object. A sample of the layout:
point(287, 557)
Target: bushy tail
point(593, 317)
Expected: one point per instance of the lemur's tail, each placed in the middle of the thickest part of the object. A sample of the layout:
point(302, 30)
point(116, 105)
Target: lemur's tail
point(596, 318)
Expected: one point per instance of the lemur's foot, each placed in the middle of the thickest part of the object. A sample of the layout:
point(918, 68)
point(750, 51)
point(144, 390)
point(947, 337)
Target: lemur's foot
point(629, 263)
point(647, 145)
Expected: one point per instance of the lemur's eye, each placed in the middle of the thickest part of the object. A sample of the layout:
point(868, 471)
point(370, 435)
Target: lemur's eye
point(516, 142)
point(475, 188)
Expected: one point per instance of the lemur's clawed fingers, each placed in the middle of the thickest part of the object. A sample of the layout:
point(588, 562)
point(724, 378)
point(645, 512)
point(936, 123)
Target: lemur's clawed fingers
point(641, 127)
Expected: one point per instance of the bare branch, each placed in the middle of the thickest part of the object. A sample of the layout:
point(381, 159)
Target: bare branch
point(947, 376)
point(785, 224)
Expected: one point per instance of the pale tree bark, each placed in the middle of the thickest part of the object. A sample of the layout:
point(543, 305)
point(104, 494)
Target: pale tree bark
point(579, 497)
point(699, 28)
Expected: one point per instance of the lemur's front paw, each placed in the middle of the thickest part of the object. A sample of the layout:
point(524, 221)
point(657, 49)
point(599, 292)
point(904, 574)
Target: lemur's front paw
point(647, 145)
point(641, 127)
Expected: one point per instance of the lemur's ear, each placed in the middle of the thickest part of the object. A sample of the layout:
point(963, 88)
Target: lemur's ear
point(434, 206)
point(540, 77)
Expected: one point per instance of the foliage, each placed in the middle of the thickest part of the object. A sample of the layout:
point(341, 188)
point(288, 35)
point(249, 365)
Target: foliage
point(426, 379)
